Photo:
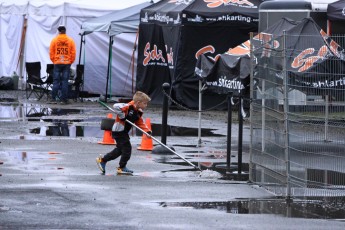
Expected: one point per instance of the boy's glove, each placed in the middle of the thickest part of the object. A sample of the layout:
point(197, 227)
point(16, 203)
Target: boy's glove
point(132, 115)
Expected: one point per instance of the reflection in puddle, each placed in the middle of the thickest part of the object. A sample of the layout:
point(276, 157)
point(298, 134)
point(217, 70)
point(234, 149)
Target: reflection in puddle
point(10, 112)
point(180, 131)
point(32, 111)
point(8, 100)
point(66, 127)
point(322, 208)
point(70, 130)
point(37, 161)
point(207, 156)
point(24, 157)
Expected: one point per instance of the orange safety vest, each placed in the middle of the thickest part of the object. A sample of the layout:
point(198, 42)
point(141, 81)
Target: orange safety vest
point(62, 50)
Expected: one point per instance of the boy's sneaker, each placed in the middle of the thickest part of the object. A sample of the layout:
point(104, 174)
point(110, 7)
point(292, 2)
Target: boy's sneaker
point(124, 170)
point(101, 164)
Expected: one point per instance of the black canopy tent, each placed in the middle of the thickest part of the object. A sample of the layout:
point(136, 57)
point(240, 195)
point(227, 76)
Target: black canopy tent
point(115, 23)
point(231, 71)
point(328, 61)
point(159, 29)
point(173, 34)
point(336, 11)
point(336, 19)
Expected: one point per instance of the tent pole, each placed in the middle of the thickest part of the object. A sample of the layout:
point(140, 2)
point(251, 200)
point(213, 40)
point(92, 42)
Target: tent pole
point(109, 67)
point(132, 59)
point(199, 120)
point(329, 27)
point(22, 54)
point(81, 46)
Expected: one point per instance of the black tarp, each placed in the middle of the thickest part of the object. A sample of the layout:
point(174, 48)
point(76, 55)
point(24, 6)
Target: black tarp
point(159, 30)
point(230, 73)
point(336, 11)
point(183, 30)
point(314, 63)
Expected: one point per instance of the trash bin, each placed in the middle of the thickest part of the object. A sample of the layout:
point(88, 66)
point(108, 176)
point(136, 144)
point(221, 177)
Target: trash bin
point(15, 79)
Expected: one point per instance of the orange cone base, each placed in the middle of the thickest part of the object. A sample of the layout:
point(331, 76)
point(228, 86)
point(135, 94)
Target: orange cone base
point(145, 149)
point(146, 142)
point(107, 139)
point(106, 143)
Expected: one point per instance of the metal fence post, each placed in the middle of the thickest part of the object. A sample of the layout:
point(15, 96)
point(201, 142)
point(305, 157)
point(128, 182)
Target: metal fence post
point(199, 114)
point(228, 143)
point(240, 134)
point(251, 83)
point(326, 116)
point(286, 117)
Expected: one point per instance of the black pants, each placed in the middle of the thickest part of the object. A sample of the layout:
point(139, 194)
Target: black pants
point(123, 148)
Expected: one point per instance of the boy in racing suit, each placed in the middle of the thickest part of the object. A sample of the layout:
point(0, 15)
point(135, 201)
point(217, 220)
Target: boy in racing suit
point(133, 112)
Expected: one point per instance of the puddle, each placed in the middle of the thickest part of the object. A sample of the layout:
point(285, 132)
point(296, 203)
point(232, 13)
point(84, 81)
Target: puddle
point(8, 100)
point(181, 131)
point(208, 156)
point(32, 111)
point(10, 112)
point(23, 157)
point(67, 128)
point(36, 112)
point(36, 161)
point(63, 128)
point(219, 154)
point(215, 163)
point(322, 208)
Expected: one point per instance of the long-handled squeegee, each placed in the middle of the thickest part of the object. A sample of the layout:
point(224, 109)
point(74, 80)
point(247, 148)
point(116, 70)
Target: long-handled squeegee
point(155, 139)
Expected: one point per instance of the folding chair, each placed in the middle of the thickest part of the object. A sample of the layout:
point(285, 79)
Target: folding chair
point(34, 83)
point(34, 111)
point(50, 74)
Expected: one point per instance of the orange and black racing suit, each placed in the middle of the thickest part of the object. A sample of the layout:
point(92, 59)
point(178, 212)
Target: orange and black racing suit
point(120, 131)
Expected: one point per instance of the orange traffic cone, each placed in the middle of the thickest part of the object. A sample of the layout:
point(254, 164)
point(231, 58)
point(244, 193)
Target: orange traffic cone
point(146, 142)
point(107, 137)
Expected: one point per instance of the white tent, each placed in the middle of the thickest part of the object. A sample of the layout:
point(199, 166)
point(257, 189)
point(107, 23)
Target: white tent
point(28, 26)
point(116, 23)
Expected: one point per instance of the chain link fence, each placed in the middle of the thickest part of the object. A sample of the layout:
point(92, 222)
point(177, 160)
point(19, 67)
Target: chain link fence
point(298, 116)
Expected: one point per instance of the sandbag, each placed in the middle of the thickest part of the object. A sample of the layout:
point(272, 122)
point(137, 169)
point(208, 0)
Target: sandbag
point(6, 83)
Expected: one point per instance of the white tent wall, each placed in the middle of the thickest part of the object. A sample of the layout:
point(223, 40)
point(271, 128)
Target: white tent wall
point(11, 32)
point(121, 66)
point(43, 17)
point(96, 63)
point(11, 27)
point(40, 31)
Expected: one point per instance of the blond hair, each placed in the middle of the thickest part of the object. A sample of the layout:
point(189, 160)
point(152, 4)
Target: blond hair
point(140, 96)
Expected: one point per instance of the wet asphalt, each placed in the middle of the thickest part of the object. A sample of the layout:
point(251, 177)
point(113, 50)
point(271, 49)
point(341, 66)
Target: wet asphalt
point(52, 182)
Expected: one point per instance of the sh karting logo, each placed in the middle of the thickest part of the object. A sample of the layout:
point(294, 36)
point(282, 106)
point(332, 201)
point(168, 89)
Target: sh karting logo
point(310, 56)
point(217, 3)
point(156, 56)
point(209, 49)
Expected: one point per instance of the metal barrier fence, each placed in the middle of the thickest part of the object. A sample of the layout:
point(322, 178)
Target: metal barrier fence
point(298, 116)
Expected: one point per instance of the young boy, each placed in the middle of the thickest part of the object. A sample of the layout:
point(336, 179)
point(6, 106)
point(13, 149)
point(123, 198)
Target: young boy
point(133, 112)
